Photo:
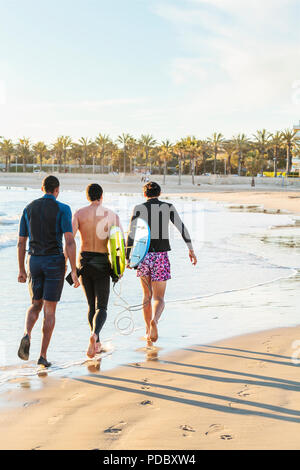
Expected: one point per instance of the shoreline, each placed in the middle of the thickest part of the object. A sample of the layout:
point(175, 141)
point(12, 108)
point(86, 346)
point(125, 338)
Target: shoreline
point(239, 393)
point(270, 195)
point(236, 393)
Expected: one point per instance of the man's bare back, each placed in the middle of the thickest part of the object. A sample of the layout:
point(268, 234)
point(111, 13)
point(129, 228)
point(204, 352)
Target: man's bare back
point(94, 223)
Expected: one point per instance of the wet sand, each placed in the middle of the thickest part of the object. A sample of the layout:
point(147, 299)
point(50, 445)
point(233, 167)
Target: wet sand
point(241, 393)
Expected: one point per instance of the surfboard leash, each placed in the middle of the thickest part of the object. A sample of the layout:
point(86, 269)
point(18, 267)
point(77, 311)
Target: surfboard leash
point(130, 309)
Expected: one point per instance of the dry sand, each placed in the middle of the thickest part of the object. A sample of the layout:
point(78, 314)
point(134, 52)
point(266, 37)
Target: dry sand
point(271, 196)
point(241, 393)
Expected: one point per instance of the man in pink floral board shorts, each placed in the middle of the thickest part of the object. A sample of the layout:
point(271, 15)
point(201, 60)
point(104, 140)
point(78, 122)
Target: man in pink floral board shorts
point(154, 271)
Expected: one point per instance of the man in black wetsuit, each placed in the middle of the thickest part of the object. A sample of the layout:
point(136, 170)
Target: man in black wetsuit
point(94, 223)
point(44, 222)
point(154, 270)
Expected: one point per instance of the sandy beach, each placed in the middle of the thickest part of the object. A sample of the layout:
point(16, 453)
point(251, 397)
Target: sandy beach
point(269, 194)
point(240, 393)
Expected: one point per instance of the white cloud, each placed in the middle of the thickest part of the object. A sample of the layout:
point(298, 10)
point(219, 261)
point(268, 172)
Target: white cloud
point(237, 58)
point(184, 69)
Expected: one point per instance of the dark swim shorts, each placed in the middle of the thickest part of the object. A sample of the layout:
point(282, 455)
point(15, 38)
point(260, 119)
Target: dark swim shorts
point(46, 277)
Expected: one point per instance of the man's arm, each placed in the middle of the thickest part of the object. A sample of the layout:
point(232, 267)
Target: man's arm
point(75, 224)
point(70, 245)
point(70, 248)
point(75, 227)
point(22, 277)
point(176, 220)
point(23, 235)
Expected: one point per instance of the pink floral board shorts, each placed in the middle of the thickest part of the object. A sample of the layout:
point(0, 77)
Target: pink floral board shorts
point(156, 266)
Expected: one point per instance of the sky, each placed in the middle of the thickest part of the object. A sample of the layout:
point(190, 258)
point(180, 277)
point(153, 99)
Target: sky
point(170, 68)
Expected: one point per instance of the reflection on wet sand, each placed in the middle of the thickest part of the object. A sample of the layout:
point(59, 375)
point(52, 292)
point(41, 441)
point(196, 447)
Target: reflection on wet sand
point(94, 365)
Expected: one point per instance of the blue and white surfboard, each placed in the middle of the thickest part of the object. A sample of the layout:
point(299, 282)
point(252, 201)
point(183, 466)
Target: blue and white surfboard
point(141, 243)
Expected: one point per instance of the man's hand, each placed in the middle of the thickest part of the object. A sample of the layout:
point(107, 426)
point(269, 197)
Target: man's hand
point(75, 279)
point(128, 265)
point(22, 277)
point(193, 257)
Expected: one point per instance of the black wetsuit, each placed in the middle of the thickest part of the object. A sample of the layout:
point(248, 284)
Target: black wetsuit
point(158, 214)
point(95, 272)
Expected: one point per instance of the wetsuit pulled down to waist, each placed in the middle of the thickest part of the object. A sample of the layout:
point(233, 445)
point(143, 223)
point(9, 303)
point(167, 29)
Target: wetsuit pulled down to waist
point(95, 271)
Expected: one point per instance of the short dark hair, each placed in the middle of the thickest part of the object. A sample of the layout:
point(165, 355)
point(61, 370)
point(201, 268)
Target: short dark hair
point(152, 189)
point(94, 192)
point(50, 183)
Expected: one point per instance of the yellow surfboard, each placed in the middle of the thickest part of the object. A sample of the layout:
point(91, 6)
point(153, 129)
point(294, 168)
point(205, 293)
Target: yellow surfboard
point(117, 251)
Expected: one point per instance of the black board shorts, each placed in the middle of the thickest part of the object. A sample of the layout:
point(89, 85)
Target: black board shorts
point(46, 277)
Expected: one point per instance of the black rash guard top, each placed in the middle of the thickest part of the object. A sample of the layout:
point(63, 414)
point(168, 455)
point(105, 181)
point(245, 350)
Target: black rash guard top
point(44, 221)
point(158, 215)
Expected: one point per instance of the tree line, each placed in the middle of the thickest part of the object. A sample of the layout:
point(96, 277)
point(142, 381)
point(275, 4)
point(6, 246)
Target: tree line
point(241, 155)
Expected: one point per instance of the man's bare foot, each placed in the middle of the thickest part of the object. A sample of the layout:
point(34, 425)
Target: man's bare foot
point(149, 343)
point(98, 347)
point(153, 331)
point(92, 346)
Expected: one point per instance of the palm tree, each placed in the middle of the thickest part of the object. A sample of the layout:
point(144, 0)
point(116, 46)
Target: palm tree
point(133, 153)
point(216, 141)
point(290, 140)
point(241, 142)
point(41, 150)
point(192, 149)
point(60, 148)
point(276, 143)
point(262, 143)
point(179, 152)
point(7, 149)
point(85, 143)
point(230, 149)
point(147, 142)
point(24, 150)
point(103, 143)
point(166, 155)
point(125, 140)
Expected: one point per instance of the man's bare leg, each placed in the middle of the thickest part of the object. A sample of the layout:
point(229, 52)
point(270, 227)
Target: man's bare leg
point(32, 316)
point(92, 346)
point(147, 307)
point(48, 326)
point(158, 289)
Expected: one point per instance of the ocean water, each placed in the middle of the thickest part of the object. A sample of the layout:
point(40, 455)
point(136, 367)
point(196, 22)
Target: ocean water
point(247, 279)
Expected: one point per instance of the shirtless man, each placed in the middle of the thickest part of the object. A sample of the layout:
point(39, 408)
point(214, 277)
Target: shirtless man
point(94, 223)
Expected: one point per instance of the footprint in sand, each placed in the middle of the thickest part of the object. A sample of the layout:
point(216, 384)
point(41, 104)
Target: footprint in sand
point(30, 403)
point(244, 392)
point(187, 430)
point(55, 419)
point(146, 402)
point(75, 397)
point(116, 429)
point(215, 428)
point(221, 430)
